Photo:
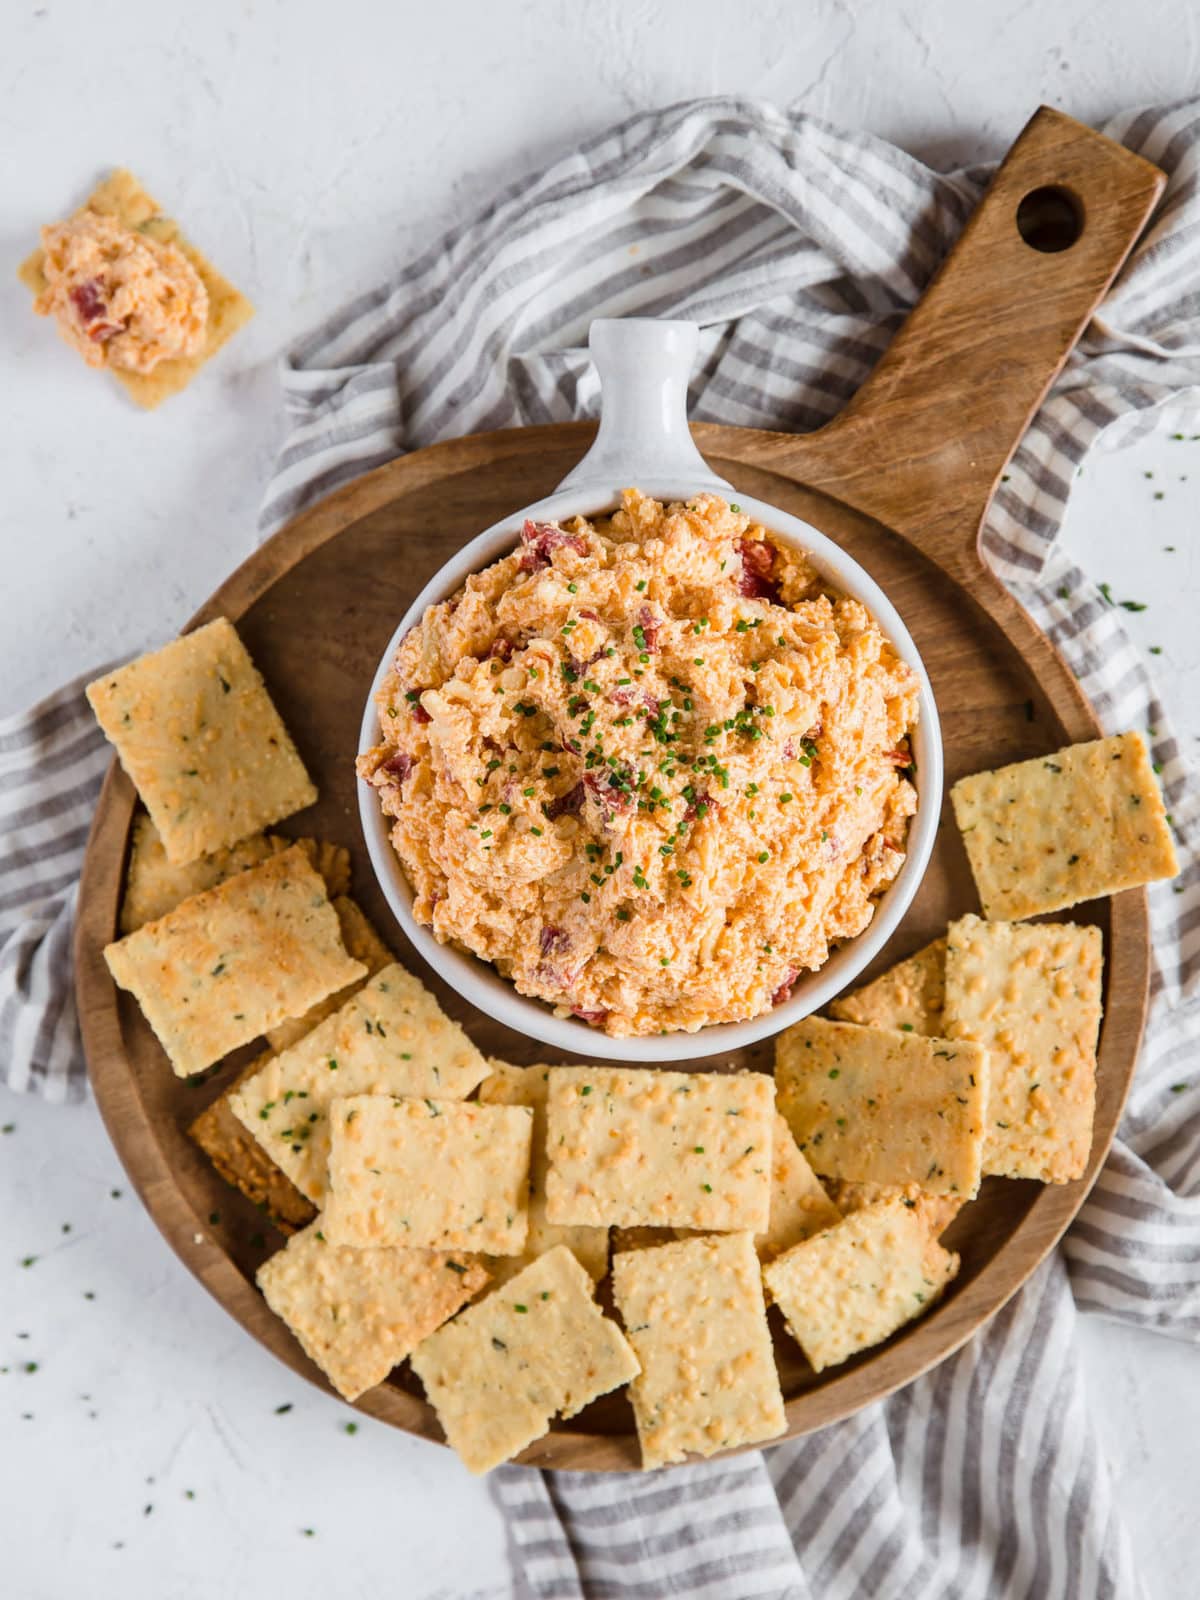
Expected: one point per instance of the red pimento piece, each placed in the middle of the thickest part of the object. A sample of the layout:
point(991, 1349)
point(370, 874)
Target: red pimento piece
point(542, 539)
point(553, 941)
point(612, 791)
point(569, 804)
point(596, 1018)
point(419, 713)
point(92, 307)
point(579, 667)
point(630, 695)
point(501, 649)
point(649, 623)
point(758, 563)
point(785, 988)
point(699, 807)
point(398, 766)
point(899, 758)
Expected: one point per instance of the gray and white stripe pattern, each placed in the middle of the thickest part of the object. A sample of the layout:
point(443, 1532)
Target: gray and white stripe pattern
point(799, 248)
point(52, 760)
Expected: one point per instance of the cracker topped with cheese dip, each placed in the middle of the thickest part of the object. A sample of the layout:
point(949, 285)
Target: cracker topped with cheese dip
point(648, 765)
point(130, 293)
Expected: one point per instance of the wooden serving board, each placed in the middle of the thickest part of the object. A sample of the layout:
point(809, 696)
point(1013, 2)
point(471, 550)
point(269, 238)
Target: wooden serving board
point(902, 480)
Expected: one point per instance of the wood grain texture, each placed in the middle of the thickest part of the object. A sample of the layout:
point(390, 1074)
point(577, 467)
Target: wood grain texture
point(901, 481)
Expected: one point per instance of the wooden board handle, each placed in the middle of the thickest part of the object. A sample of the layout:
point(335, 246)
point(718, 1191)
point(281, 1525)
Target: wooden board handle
point(922, 444)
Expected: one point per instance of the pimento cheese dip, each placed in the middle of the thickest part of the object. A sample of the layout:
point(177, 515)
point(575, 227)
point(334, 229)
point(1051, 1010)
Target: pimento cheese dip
point(648, 766)
point(121, 298)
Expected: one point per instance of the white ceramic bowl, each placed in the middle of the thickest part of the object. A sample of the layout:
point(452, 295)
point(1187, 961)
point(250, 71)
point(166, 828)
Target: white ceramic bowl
point(644, 442)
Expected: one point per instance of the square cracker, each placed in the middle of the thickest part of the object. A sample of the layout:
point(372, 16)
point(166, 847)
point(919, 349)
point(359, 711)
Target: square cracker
point(879, 1106)
point(228, 963)
point(237, 1156)
point(391, 1038)
point(528, 1086)
point(799, 1205)
point(908, 996)
point(1031, 994)
point(205, 748)
point(695, 1316)
point(428, 1174)
point(244, 1164)
point(359, 1313)
point(365, 945)
point(854, 1285)
point(153, 886)
point(539, 1347)
point(634, 1146)
point(122, 196)
point(1045, 834)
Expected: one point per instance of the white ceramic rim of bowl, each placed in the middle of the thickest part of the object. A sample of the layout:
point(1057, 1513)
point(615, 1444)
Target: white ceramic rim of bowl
point(592, 489)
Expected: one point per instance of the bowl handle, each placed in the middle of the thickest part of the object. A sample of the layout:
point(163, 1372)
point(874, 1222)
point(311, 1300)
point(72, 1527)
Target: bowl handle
point(644, 438)
point(921, 447)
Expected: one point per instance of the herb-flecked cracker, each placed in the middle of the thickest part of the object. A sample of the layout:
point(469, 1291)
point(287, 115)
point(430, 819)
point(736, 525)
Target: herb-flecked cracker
point(851, 1287)
point(230, 962)
point(153, 886)
point(1031, 994)
point(1045, 834)
point(537, 1348)
point(879, 1106)
point(428, 1174)
point(935, 1211)
point(236, 1154)
point(908, 996)
point(695, 1316)
point(391, 1038)
point(364, 944)
point(528, 1086)
point(359, 1313)
point(121, 196)
point(800, 1206)
point(244, 1164)
point(196, 731)
point(631, 1146)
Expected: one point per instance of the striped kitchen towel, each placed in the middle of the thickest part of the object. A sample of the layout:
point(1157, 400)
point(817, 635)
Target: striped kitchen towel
point(798, 248)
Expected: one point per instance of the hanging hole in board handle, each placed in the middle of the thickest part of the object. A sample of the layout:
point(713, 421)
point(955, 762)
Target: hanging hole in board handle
point(1050, 219)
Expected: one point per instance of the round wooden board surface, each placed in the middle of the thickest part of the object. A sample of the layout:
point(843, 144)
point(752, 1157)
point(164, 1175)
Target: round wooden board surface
point(316, 607)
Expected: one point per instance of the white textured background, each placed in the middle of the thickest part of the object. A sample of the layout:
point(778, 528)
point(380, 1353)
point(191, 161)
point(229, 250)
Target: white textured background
point(310, 148)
